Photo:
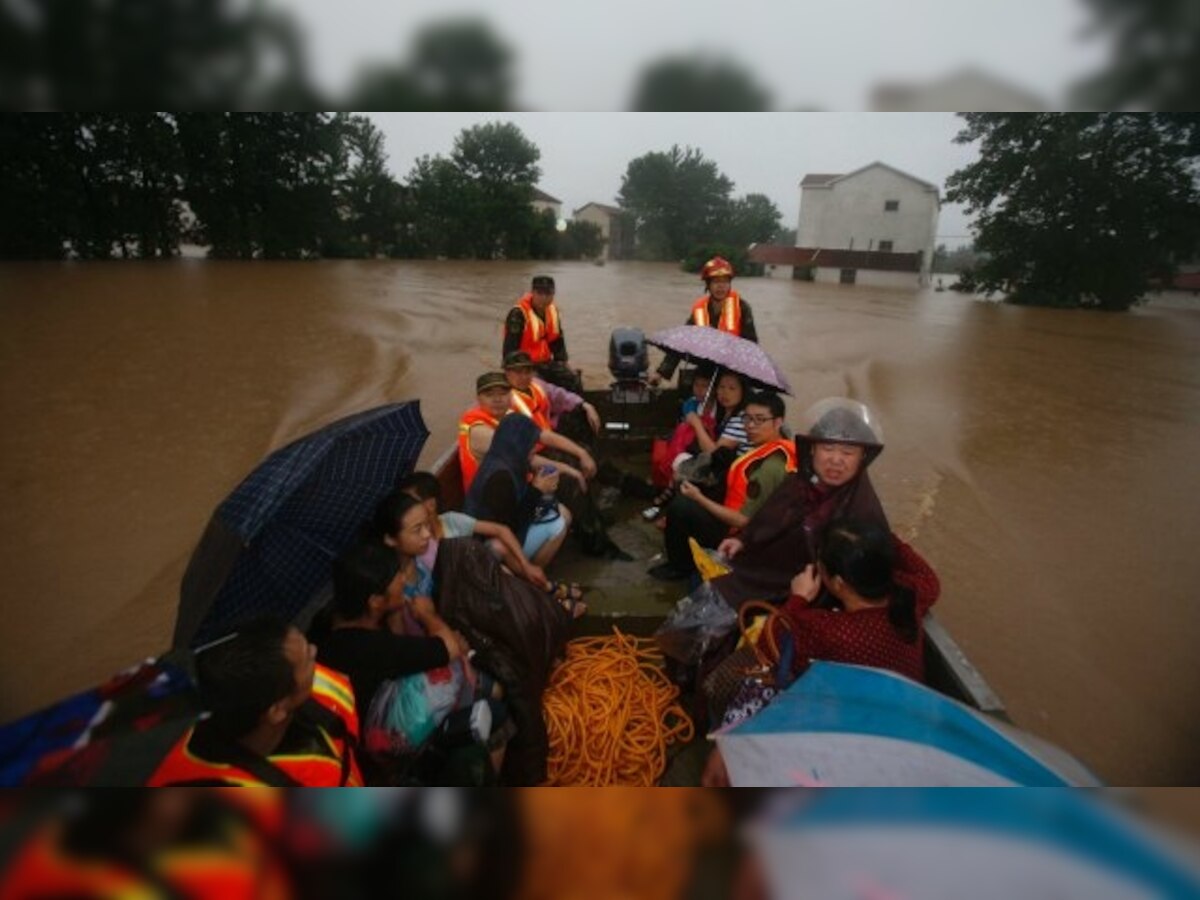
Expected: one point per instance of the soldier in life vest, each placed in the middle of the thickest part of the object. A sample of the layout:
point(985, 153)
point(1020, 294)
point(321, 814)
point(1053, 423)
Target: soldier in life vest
point(534, 326)
point(750, 480)
point(497, 398)
point(277, 718)
point(721, 307)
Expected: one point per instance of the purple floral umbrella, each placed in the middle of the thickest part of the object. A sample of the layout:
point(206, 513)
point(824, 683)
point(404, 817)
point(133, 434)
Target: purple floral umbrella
point(698, 344)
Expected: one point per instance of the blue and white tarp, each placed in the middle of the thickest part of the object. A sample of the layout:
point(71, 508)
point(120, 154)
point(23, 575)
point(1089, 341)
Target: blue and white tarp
point(853, 726)
point(954, 843)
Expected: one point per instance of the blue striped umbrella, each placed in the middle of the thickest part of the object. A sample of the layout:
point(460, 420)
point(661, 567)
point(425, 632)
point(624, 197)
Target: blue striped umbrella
point(853, 726)
point(270, 544)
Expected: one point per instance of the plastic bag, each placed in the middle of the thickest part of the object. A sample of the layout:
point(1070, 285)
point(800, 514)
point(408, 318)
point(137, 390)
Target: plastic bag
point(405, 711)
point(698, 622)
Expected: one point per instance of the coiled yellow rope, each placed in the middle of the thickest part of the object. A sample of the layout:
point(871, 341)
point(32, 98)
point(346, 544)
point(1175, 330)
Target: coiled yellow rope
point(611, 713)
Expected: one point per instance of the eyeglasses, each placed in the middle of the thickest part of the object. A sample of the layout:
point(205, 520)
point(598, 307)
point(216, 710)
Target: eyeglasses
point(757, 420)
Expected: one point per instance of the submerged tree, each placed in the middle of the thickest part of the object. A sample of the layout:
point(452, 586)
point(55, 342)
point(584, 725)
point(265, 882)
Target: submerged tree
point(370, 203)
point(454, 64)
point(1079, 210)
point(682, 84)
point(677, 199)
point(1155, 60)
point(263, 184)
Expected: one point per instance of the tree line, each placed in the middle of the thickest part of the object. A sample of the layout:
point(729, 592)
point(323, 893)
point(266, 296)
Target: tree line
point(308, 185)
point(266, 186)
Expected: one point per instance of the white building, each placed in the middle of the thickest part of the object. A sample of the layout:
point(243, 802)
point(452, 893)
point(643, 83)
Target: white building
point(615, 227)
point(543, 201)
point(878, 210)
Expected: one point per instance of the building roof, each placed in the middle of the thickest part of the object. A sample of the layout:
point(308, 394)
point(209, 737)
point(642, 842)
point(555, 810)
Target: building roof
point(603, 207)
point(818, 179)
point(781, 255)
point(966, 90)
point(825, 181)
point(540, 196)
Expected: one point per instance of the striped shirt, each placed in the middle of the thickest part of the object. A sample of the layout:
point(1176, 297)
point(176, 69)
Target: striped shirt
point(735, 429)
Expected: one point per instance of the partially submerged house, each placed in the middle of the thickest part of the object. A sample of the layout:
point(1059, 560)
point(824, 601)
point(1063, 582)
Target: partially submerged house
point(876, 225)
point(615, 225)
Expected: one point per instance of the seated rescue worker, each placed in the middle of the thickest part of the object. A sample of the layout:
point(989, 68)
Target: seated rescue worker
point(277, 718)
point(750, 480)
point(542, 401)
point(478, 424)
point(721, 307)
point(534, 326)
point(125, 844)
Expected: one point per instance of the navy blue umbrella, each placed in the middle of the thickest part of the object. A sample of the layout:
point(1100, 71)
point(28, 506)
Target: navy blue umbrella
point(269, 545)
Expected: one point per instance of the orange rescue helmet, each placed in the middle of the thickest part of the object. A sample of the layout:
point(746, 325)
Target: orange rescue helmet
point(717, 267)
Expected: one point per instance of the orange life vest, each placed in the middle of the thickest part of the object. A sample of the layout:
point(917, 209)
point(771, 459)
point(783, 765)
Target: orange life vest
point(535, 405)
point(731, 313)
point(737, 479)
point(240, 869)
point(335, 767)
point(539, 334)
point(467, 462)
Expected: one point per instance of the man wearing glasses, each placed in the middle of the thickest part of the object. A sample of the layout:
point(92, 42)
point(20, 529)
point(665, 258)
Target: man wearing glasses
point(750, 480)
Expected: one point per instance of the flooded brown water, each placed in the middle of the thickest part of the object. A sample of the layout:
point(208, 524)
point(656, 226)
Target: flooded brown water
point(1045, 461)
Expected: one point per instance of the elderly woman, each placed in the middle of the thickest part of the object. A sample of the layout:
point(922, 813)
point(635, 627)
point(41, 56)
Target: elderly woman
point(838, 440)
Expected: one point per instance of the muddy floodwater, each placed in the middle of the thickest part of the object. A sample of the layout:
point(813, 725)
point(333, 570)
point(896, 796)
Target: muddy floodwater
point(1046, 462)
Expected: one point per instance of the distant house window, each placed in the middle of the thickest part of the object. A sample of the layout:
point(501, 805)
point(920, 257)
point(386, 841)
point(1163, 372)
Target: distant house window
point(849, 276)
point(891, 205)
point(885, 246)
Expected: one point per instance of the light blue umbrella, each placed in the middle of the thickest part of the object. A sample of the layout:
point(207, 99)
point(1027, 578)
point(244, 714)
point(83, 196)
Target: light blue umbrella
point(853, 726)
point(947, 844)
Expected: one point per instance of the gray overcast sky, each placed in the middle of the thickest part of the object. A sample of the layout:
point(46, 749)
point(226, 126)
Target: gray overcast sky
point(809, 53)
point(584, 155)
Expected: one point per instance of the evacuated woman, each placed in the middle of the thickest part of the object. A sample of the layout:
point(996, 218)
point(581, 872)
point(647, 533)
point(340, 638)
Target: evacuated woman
point(726, 441)
point(862, 603)
point(503, 492)
point(838, 440)
point(425, 487)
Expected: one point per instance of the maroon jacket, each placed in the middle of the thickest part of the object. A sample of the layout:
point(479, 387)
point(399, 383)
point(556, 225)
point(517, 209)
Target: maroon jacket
point(866, 637)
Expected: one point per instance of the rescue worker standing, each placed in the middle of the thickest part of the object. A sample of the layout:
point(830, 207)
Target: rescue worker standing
point(721, 307)
point(535, 327)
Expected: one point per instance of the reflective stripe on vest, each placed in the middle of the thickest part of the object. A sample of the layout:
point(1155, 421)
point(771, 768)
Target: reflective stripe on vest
point(731, 313)
point(737, 481)
point(536, 406)
point(467, 462)
point(539, 335)
point(332, 691)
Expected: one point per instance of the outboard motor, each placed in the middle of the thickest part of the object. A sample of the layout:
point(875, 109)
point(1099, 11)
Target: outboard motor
point(628, 359)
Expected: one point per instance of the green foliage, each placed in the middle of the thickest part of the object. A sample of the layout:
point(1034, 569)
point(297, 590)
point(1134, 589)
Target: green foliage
point(681, 84)
point(1154, 60)
point(1078, 210)
point(677, 199)
point(89, 184)
point(166, 54)
point(753, 219)
point(370, 203)
point(702, 253)
point(263, 184)
point(580, 240)
point(453, 65)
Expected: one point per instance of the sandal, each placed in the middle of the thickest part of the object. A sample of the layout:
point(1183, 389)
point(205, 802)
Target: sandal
point(569, 595)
